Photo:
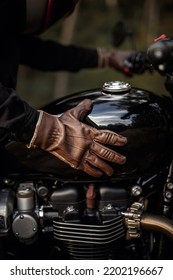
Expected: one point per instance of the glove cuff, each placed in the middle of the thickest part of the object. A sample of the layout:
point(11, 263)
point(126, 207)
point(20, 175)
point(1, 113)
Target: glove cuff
point(103, 57)
point(31, 144)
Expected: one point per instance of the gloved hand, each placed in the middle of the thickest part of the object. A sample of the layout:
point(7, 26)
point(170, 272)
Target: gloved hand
point(113, 58)
point(128, 62)
point(79, 145)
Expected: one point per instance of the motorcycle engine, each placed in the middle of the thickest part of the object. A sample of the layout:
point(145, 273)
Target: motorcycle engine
point(85, 219)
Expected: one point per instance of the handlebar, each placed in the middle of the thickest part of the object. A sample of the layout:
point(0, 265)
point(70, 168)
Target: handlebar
point(159, 56)
point(160, 53)
point(137, 63)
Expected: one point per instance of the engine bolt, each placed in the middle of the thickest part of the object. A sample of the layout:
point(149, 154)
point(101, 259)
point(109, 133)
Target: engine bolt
point(42, 191)
point(168, 195)
point(170, 186)
point(109, 207)
point(70, 209)
point(7, 181)
point(136, 190)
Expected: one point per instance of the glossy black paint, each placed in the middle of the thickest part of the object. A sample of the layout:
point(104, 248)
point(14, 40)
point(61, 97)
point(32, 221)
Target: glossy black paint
point(144, 118)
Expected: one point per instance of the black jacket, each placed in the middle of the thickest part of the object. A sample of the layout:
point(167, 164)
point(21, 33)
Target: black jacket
point(16, 116)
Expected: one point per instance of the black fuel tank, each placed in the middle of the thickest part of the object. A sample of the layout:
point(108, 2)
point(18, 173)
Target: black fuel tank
point(143, 117)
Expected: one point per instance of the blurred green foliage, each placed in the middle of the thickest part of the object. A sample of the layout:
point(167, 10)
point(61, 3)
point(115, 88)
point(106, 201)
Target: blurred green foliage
point(96, 19)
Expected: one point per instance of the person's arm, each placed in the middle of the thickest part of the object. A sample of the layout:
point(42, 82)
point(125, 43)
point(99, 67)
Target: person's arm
point(53, 56)
point(16, 116)
point(67, 138)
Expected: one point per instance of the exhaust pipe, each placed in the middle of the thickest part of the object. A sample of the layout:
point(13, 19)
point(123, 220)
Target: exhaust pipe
point(157, 223)
point(136, 220)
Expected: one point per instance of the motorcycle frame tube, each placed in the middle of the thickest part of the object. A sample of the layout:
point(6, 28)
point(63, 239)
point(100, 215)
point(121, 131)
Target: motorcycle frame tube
point(157, 223)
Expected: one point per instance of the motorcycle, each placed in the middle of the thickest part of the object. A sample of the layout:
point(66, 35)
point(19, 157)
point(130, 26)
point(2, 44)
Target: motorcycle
point(50, 211)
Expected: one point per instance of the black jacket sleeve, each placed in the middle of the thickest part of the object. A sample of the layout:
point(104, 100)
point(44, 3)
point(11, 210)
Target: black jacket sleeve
point(52, 56)
point(16, 116)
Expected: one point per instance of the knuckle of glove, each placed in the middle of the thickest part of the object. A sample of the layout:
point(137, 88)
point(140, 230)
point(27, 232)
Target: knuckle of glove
point(112, 156)
point(111, 138)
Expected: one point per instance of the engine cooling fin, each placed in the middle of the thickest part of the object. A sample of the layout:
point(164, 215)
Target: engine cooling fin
point(83, 241)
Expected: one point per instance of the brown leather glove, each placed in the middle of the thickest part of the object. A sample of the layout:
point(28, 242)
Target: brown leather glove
point(79, 145)
point(113, 58)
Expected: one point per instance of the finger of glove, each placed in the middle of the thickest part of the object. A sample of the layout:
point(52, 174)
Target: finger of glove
point(89, 169)
point(86, 167)
point(110, 138)
point(107, 154)
point(78, 112)
point(96, 162)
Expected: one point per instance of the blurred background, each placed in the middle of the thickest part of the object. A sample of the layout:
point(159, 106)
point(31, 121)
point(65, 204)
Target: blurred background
point(93, 25)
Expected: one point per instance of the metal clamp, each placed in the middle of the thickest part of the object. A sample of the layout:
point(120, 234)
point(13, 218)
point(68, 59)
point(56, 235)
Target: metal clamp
point(132, 218)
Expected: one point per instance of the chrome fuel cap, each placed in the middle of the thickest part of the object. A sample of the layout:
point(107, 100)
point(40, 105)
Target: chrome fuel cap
point(116, 87)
